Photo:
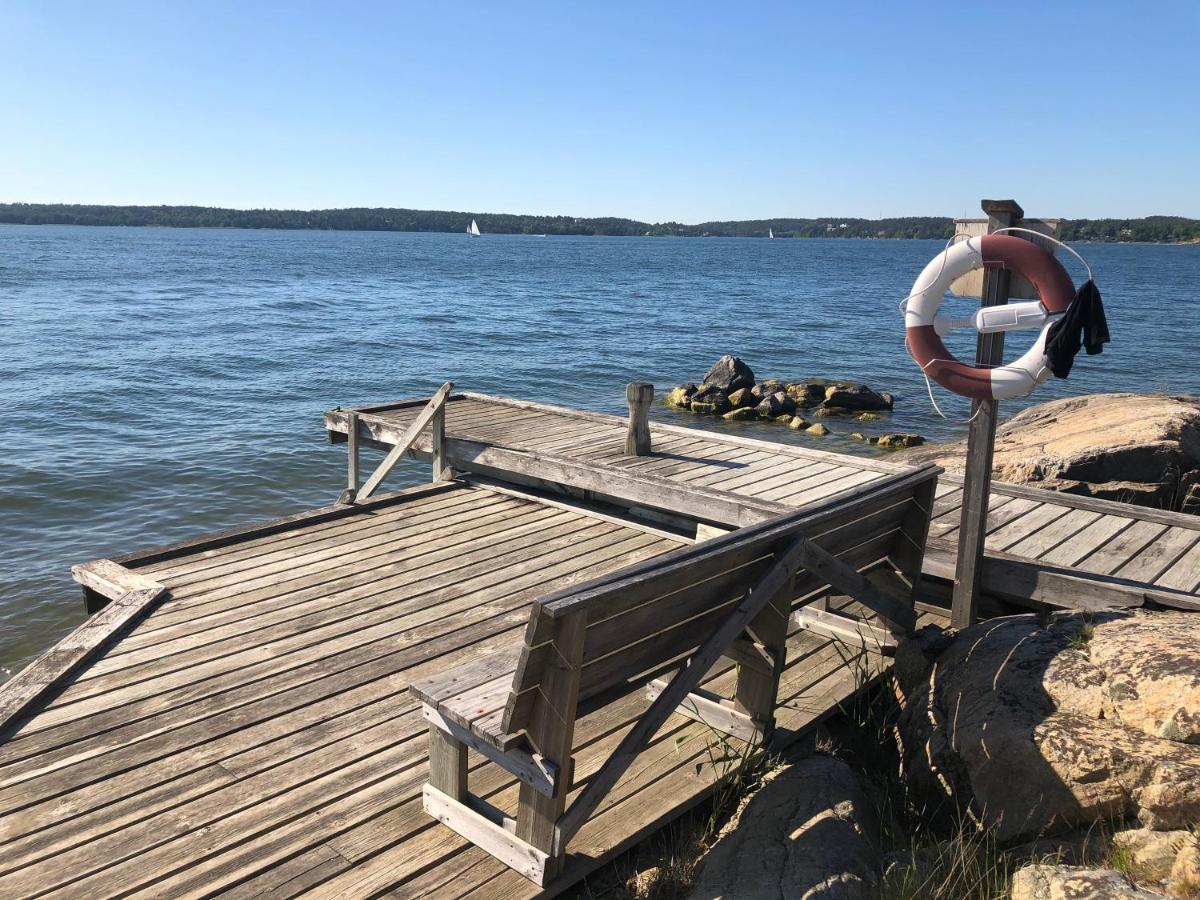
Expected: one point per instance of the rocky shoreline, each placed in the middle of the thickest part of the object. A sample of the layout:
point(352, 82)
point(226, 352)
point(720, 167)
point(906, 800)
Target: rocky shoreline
point(729, 390)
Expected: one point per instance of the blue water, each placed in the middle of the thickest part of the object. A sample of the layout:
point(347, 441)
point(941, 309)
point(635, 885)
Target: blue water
point(162, 383)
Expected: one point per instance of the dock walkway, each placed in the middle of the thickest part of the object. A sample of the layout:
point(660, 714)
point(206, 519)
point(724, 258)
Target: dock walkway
point(1041, 545)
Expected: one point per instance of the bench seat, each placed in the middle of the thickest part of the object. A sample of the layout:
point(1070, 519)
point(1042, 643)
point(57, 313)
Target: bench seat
point(473, 696)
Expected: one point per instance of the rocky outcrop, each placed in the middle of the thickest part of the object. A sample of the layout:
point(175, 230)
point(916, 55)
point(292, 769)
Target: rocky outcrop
point(806, 833)
point(899, 441)
point(729, 389)
point(729, 374)
point(1128, 447)
point(1053, 882)
point(1039, 729)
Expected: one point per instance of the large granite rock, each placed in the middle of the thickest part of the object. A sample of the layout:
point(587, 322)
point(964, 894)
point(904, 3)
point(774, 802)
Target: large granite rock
point(1054, 882)
point(805, 835)
point(1128, 447)
point(1040, 729)
point(729, 374)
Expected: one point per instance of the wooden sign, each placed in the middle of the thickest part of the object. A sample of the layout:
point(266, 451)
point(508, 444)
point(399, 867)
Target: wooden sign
point(971, 284)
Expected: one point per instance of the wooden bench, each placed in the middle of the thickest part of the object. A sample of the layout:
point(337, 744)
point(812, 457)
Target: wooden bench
point(592, 644)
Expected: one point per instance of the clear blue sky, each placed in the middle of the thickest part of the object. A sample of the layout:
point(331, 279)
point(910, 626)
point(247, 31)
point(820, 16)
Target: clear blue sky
point(687, 111)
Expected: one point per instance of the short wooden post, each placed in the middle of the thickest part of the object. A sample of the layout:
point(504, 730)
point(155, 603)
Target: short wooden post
point(757, 690)
point(640, 395)
point(441, 462)
point(981, 440)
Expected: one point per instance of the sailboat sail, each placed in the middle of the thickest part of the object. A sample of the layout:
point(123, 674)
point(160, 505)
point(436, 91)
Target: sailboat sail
point(770, 233)
point(473, 229)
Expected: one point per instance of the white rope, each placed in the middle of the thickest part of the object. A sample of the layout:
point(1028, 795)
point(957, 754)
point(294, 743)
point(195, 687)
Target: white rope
point(1052, 240)
point(941, 269)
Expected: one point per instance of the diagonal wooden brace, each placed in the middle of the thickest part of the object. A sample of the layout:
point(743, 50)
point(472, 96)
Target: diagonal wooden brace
point(402, 446)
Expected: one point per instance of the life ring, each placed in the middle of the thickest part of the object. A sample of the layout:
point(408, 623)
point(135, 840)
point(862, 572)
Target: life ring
point(924, 327)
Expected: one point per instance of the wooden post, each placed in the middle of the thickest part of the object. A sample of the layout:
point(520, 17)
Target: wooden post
point(351, 493)
point(640, 395)
point(981, 441)
point(441, 461)
point(552, 733)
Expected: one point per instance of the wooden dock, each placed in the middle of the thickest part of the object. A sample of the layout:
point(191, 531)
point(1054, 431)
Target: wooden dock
point(1045, 546)
point(235, 720)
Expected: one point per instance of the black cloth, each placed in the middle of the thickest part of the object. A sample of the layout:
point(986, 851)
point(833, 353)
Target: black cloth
point(1083, 325)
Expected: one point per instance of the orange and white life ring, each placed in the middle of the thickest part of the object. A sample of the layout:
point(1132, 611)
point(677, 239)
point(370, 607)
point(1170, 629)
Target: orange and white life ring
point(924, 326)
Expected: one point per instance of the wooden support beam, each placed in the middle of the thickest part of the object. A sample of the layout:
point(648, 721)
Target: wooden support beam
point(639, 395)
point(833, 571)
point(490, 836)
point(405, 441)
point(352, 459)
point(981, 439)
point(855, 632)
point(447, 764)
point(707, 709)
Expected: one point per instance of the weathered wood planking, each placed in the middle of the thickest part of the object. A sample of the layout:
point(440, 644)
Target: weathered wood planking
point(1112, 552)
point(252, 733)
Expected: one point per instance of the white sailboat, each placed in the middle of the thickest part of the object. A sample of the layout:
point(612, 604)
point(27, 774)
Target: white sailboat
point(473, 229)
point(770, 233)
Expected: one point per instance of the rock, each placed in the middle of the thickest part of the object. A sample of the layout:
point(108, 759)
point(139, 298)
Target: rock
point(868, 417)
point(858, 436)
point(899, 441)
point(827, 411)
point(818, 429)
point(775, 405)
point(806, 393)
point(1051, 882)
point(855, 396)
point(798, 422)
point(742, 398)
point(1184, 880)
point(1151, 853)
point(745, 414)
point(1038, 729)
point(806, 833)
point(710, 400)
point(1128, 447)
point(680, 396)
point(729, 373)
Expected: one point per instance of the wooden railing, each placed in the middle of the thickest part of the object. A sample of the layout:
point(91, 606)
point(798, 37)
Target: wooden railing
point(433, 415)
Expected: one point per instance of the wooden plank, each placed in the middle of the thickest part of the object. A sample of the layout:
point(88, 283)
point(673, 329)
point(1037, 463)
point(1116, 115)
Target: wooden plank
point(699, 706)
point(51, 670)
point(1156, 558)
point(110, 579)
point(845, 629)
point(1084, 542)
point(529, 768)
point(447, 762)
point(1042, 541)
point(1110, 556)
point(519, 855)
point(1184, 574)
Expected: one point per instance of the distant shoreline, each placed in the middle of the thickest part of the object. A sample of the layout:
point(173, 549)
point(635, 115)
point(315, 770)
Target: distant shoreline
point(1152, 229)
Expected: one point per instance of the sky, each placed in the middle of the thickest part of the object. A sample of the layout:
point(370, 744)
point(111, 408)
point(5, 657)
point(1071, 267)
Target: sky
point(683, 112)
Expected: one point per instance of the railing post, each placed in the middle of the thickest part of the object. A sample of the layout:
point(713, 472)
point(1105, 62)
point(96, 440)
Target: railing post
point(640, 395)
point(441, 462)
point(351, 491)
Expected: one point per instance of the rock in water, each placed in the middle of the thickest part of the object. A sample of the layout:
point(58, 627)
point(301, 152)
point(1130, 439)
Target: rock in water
point(804, 833)
point(744, 414)
point(1039, 730)
point(1053, 882)
point(799, 422)
point(1128, 447)
point(775, 405)
point(742, 397)
point(819, 430)
point(729, 373)
point(900, 441)
point(857, 397)
point(680, 396)
point(806, 393)
point(709, 400)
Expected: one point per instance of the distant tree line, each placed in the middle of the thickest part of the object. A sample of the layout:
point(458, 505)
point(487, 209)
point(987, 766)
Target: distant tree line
point(1168, 229)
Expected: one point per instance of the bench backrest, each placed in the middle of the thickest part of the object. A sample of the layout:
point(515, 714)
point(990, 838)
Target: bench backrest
point(645, 619)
